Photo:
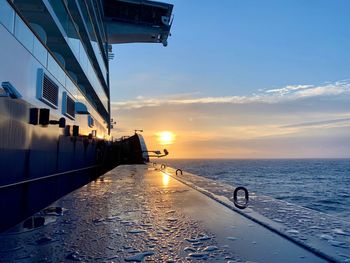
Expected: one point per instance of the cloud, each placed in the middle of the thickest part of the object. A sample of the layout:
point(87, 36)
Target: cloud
point(317, 123)
point(288, 89)
point(292, 121)
point(271, 96)
point(155, 102)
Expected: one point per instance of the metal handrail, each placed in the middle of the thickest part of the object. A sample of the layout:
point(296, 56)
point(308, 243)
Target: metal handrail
point(47, 177)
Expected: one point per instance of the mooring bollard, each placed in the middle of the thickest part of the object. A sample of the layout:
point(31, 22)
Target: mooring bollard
point(179, 170)
point(235, 197)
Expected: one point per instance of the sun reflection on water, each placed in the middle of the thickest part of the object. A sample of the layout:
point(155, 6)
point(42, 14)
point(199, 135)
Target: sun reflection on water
point(165, 179)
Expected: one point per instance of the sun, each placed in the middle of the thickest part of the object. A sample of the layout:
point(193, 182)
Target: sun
point(166, 137)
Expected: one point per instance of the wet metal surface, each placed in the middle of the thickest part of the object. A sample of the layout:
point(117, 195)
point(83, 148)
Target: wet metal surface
point(325, 234)
point(138, 213)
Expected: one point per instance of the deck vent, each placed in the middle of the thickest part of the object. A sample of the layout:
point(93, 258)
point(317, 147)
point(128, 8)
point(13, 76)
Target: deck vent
point(47, 90)
point(68, 106)
point(91, 121)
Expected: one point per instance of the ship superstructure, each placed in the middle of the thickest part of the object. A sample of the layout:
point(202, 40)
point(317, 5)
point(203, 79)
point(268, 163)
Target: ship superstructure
point(55, 117)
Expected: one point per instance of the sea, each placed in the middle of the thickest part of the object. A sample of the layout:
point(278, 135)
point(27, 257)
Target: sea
point(319, 184)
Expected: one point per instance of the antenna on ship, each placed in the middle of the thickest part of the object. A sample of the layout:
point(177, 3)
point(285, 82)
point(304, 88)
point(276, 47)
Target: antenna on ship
point(112, 123)
point(110, 52)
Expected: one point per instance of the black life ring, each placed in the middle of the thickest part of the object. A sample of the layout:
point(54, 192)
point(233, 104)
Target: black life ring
point(179, 170)
point(235, 197)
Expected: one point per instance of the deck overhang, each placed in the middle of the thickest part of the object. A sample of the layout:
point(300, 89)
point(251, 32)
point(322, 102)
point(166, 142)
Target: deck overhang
point(132, 21)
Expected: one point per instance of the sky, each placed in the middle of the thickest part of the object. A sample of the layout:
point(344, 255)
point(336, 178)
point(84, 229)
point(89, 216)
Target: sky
point(241, 79)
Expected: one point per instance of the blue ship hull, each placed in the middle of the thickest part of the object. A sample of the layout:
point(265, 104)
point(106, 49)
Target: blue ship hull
point(52, 164)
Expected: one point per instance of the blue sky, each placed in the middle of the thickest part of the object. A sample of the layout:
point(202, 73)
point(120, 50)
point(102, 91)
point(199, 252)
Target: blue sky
point(228, 56)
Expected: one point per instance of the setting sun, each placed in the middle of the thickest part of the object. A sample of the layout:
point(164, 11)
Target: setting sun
point(165, 137)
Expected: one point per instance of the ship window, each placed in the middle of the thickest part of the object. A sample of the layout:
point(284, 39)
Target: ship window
point(68, 106)
point(91, 121)
point(7, 16)
point(47, 90)
point(23, 34)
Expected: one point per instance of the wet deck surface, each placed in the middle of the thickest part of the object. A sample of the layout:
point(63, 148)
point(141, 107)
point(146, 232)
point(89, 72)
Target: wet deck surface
point(136, 213)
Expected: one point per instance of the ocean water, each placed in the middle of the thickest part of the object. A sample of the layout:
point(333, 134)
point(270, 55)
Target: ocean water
point(319, 184)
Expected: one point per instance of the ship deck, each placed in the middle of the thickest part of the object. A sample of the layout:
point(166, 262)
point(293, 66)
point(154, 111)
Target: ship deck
point(138, 212)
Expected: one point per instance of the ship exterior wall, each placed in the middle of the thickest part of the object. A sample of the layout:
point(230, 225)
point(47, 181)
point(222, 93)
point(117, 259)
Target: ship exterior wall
point(46, 151)
point(40, 163)
point(22, 55)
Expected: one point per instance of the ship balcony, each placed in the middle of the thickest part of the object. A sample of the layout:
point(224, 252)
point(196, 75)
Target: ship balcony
point(64, 43)
point(133, 21)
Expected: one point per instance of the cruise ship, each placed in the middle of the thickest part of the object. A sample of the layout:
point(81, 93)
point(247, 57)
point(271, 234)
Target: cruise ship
point(55, 114)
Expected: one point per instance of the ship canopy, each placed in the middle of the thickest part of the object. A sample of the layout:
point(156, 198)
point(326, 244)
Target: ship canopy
point(131, 21)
